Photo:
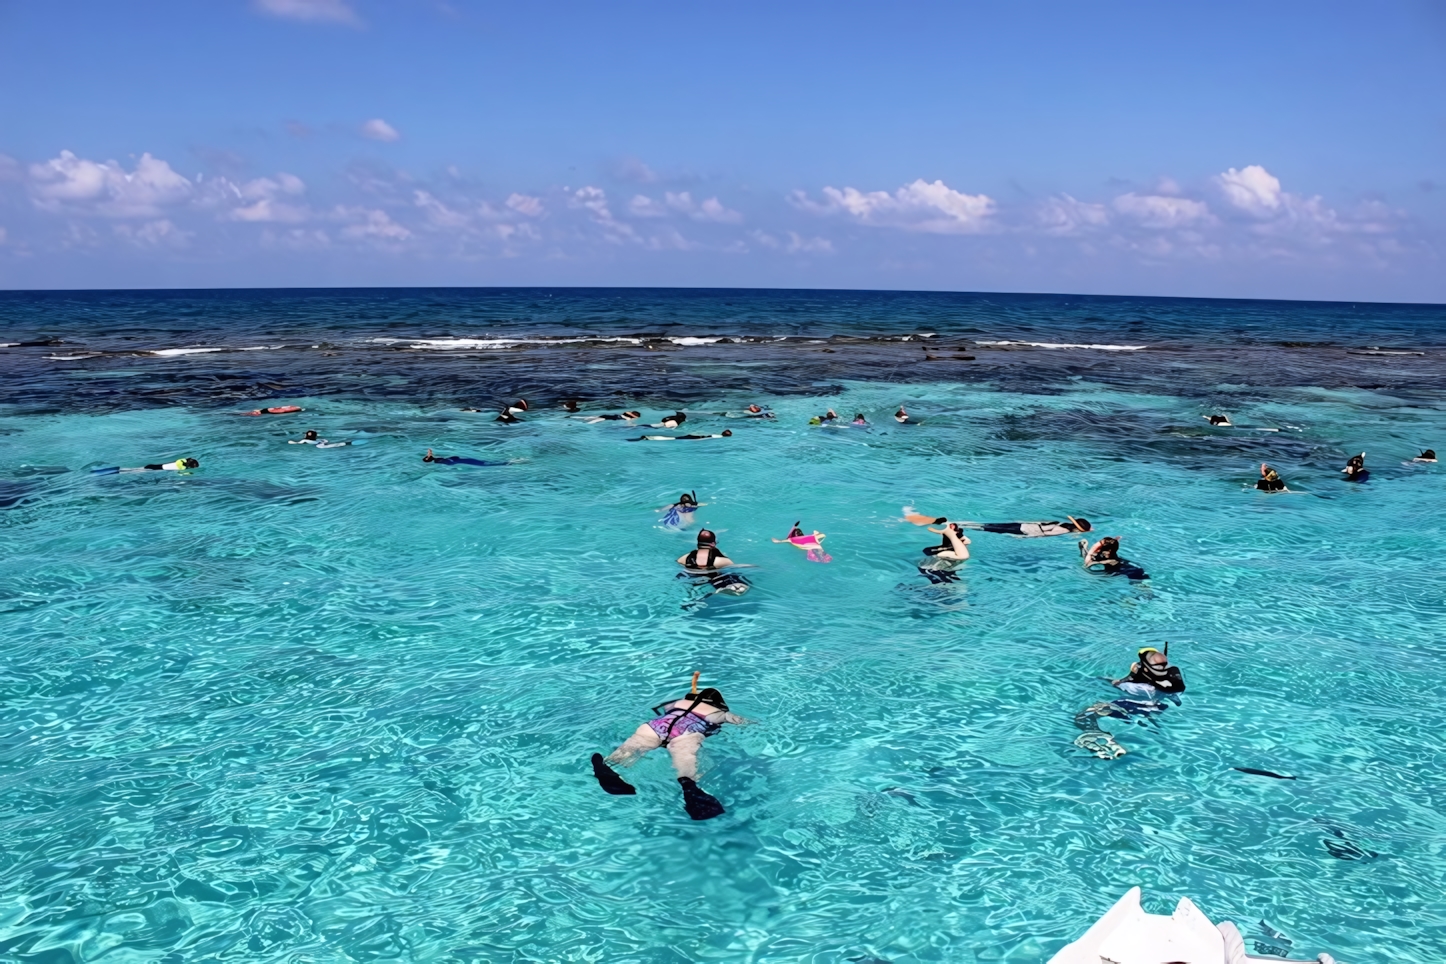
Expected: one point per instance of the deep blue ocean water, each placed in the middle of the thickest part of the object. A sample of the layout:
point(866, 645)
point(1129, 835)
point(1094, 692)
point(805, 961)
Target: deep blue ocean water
point(337, 705)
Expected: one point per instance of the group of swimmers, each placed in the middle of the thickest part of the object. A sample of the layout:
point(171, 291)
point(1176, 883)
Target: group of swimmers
point(683, 724)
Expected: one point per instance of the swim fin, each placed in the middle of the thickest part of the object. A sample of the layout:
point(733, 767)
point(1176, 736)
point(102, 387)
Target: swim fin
point(700, 804)
point(608, 779)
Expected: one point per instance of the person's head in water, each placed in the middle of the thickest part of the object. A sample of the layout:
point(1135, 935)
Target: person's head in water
point(1356, 462)
point(1109, 548)
point(569, 404)
point(754, 409)
point(710, 696)
point(1082, 525)
point(687, 499)
point(520, 403)
point(859, 416)
point(1153, 662)
point(706, 538)
point(632, 414)
point(728, 433)
point(1271, 475)
point(309, 435)
point(795, 531)
point(1428, 456)
point(190, 464)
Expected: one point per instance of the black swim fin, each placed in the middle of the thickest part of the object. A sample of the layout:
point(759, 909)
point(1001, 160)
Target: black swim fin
point(608, 779)
point(699, 804)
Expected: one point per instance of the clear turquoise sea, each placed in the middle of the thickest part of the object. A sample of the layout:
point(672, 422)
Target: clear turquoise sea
point(337, 705)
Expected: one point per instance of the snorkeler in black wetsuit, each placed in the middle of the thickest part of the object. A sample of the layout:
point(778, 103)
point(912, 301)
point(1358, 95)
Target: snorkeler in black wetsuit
point(1218, 421)
point(179, 465)
point(624, 417)
point(455, 460)
point(707, 558)
point(1270, 480)
point(1355, 469)
point(726, 433)
point(1153, 669)
point(1428, 455)
point(1106, 554)
point(1033, 530)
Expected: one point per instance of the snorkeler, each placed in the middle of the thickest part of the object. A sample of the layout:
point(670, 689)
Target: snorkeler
point(1106, 555)
point(180, 465)
point(309, 438)
point(757, 411)
point(726, 433)
point(624, 417)
point(569, 405)
point(707, 557)
point(1428, 455)
point(1218, 421)
point(454, 460)
point(904, 418)
point(679, 515)
point(1032, 530)
point(1149, 679)
point(859, 419)
point(1153, 669)
point(681, 726)
point(825, 419)
point(811, 544)
point(953, 547)
point(1270, 480)
point(1355, 469)
point(276, 410)
point(718, 583)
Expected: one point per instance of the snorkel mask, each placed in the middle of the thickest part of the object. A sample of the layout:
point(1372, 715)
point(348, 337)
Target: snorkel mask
point(710, 696)
point(1152, 669)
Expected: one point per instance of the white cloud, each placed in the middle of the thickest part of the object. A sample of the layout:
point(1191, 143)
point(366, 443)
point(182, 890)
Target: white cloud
point(932, 208)
point(709, 210)
point(526, 205)
point(642, 206)
point(595, 201)
point(266, 196)
point(297, 239)
point(377, 129)
point(1160, 212)
point(1257, 193)
point(795, 243)
point(1252, 189)
point(154, 234)
point(1063, 216)
point(438, 214)
point(310, 11)
point(371, 224)
point(74, 185)
point(634, 170)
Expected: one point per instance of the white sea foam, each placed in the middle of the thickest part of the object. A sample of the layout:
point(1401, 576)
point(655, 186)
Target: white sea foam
point(688, 341)
point(494, 344)
point(9, 344)
point(88, 354)
point(1050, 344)
point(173, 352)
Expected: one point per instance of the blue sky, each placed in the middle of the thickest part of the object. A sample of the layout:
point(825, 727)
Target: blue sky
point(1291, 149)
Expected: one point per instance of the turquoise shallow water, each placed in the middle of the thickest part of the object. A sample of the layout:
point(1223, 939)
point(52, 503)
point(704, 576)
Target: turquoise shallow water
point(337, 705)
